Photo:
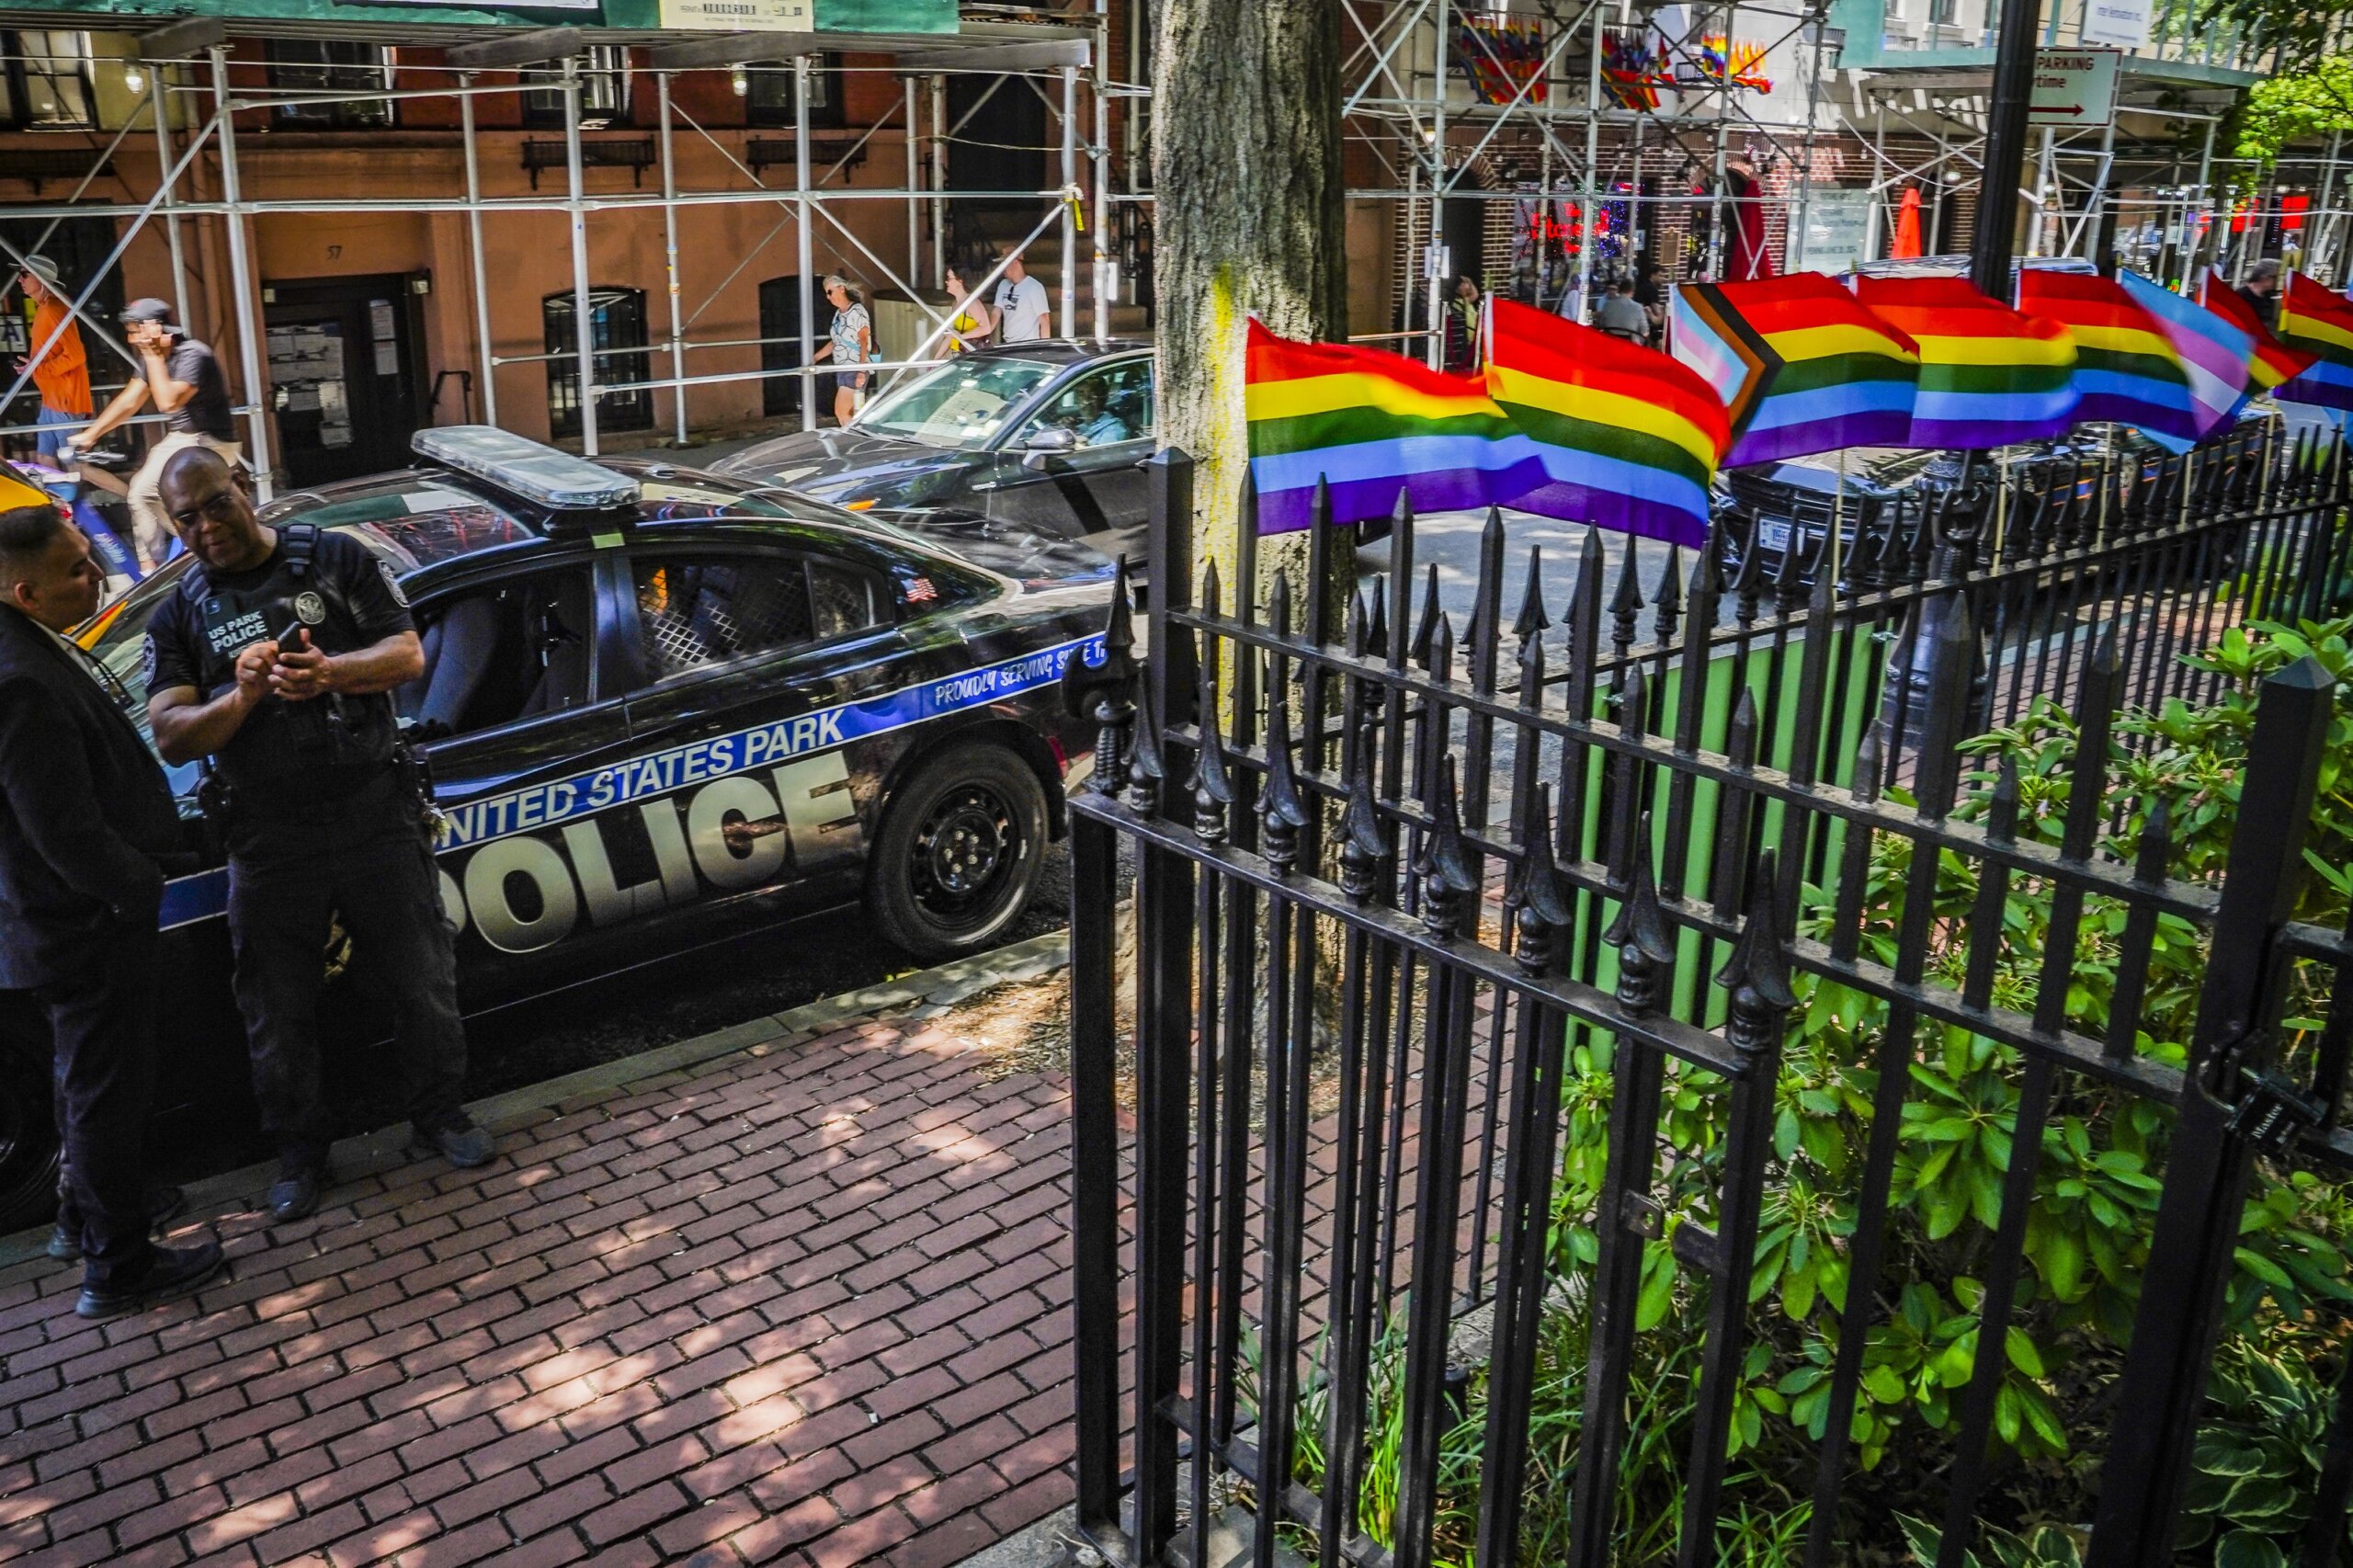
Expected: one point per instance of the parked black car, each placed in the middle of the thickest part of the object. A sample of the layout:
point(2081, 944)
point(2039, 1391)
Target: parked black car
point(661, 708)
point(1050, 436)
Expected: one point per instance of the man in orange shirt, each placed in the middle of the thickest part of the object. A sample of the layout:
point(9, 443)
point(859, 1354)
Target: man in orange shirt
point(63, 373)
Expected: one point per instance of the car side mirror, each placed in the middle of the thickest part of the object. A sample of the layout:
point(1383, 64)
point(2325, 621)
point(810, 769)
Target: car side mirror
point(1051, 441)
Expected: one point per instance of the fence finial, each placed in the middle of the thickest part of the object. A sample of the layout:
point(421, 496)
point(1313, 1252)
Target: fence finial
point(1364, 839)
point(1101, 691)
point(1758, 971)
point(1279, 809)
point(1145, 771)
point(1645, 944)
point(1376, 630)
point(1666, 608)
point(1531, 673)
point(1448, 884)
point(1626, 604)
point(1532, 618)
point(1419, 649)
point(1537, 892)
point(1212, 781)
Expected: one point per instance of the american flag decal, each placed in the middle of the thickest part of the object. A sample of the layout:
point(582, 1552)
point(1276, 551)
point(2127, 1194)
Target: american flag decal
point(919, 590)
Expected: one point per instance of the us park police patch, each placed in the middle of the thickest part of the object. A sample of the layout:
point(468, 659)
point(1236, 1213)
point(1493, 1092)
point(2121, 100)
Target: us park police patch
point(391, 582)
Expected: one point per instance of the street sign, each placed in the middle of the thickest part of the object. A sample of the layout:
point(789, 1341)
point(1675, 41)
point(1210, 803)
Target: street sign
point(2073, 87)
point(2124, 23)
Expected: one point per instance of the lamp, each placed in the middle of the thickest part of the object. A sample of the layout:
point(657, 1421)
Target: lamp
point(134, 81)
point(739, 83)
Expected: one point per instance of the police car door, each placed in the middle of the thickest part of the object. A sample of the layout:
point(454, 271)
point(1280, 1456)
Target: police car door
point(749, 652)
point(1074, 467)
point(520, 718)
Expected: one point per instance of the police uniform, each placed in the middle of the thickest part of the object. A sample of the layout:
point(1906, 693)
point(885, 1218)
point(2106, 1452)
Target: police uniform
point(319, 823)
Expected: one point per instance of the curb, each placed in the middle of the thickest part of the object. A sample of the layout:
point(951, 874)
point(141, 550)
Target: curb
point(386, 1148)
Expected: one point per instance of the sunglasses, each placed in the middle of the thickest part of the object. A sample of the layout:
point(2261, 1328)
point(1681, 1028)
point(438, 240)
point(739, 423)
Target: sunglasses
point(220, 507)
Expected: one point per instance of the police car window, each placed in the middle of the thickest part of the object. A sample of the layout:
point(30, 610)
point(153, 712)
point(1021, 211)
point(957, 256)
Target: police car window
point(695, 610)
point(515, 650)
point(1103, 408)
point(120, 646)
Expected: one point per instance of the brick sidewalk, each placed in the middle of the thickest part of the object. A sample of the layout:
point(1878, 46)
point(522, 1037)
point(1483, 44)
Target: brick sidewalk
point(804, 1304)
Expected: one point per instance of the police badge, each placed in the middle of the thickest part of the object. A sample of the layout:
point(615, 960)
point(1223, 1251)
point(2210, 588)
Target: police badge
point(309, 609)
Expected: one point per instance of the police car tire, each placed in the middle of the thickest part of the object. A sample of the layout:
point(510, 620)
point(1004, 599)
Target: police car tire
point(974, 774)
point(27, 1134)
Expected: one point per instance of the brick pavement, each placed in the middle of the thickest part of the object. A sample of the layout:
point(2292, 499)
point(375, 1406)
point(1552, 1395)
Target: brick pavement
point(806, 1304)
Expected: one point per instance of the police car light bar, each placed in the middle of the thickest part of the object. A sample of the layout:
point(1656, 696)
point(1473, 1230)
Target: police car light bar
point(526, 468)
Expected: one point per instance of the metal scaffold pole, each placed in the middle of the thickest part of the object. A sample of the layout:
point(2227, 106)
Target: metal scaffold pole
point(474, 258)
point(245, 300)
point(670, 257)
point(803, 252)
point(584, 319)
point(1069, 224)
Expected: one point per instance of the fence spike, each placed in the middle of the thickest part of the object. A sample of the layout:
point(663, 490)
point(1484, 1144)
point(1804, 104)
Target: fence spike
point(1646, 943)
point(1537, 890)
point(1279, 603)
point(1666, 609)
point(1789, 580)
point(1633, 703)
point(1445, 864)
point(1376, 631)
point(1364, 839)
point(1419, 650)
point(1532, 618)
point(1360, 629)
point(1748, 582)
point(1145, 767)
point(1099, 691)
point(1626, 604)
point(1870, 761)
point(1756, 972)
point(1531, 678)
point(1439, 660)
point(1281, 811)
point(2002, 809)
point(1740, 737)
point(1212, 780)
point(1487, 601)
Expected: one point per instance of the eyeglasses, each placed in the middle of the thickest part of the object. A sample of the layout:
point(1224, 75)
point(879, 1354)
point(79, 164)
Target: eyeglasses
point(220, 507)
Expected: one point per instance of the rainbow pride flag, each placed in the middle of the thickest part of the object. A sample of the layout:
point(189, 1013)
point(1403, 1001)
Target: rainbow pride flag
point(1373, 423)
point(1989, 377)
point(2269, 362)
point(1627, 436)
point(2319, 322)
point(1801, 366)
point(2127, 368)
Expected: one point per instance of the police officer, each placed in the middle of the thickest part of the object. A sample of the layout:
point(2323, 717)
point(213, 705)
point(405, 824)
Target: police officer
point(275, 657)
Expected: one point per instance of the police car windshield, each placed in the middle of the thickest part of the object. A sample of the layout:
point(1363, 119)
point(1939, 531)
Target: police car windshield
point(415, 519)
point(962, 403)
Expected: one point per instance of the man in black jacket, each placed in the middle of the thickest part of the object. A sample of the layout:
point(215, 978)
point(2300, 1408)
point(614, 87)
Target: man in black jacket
point(87, 813)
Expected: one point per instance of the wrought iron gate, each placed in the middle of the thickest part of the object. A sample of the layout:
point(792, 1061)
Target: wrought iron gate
point(1415, 939)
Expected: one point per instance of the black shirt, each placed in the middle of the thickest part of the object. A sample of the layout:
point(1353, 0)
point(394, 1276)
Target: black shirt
point(2265, 306)
point(348, 600)
point(205, 413)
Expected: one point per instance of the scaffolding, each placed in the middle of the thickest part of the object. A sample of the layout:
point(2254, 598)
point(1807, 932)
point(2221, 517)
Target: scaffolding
point(1063, 55)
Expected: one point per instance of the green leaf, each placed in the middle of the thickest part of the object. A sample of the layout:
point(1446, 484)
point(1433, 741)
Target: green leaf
point(2245, 1548)
point(1658, 1290)
point(2022, 1352)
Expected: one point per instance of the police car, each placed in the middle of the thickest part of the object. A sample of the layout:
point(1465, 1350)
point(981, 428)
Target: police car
point(659, 706)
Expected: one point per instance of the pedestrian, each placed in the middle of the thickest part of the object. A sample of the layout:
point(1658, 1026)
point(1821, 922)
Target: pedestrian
point(970, 327)
point(275, 657)
point(183, 377)
point(1461, 348)
point(88, 818)
point(1021, 308)
point(849, 342)
point(2261, 292)
point(1621, 315)
point(63, 372)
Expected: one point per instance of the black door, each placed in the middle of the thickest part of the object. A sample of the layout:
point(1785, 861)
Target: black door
point(780, 343)
point(1001, 145)
point(343, 375)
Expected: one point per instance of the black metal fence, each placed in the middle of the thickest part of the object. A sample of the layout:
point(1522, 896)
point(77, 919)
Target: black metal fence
point(1462, 1002)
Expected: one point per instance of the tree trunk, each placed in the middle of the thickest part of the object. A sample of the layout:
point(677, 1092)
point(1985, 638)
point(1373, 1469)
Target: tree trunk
point(1248, 219)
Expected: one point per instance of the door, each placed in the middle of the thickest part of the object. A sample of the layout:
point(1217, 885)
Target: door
point(780, 343)
point(343, 375)
point(1074, 468)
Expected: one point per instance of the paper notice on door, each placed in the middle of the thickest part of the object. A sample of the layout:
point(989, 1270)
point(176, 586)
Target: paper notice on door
point(388, 358)
point(379, 321)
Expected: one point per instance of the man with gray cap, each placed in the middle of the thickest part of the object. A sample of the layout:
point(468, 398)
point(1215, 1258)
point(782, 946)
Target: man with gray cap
point(63, 372)
point(183, 379)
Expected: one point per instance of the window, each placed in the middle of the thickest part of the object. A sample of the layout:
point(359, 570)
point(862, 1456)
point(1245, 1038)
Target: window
point(768, 93)
point(604, 91)
point(707, 609)
point(1102, 407)
point(617, 333)
point(961, 404)
point(517, 650)
point(48, 81)
point(1942, 13)
point(332, 65)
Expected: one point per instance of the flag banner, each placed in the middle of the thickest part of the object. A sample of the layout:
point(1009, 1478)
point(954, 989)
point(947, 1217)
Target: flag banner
point(2127, 368)
point(1627, 436)
point(1375, 424)
point(1989, 376)
point(1800, 365)
point(2317, 321)
point(2269, 362)
point(2217, 354)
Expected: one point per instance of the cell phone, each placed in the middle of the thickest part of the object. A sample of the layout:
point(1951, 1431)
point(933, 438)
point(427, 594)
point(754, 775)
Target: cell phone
point(293, 630)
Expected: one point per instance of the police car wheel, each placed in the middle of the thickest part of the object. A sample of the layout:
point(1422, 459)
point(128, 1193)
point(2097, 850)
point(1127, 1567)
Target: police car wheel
point(28, 1136)
point(958, 851)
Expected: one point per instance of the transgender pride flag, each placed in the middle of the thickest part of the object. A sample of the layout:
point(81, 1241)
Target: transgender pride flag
point(2214, 352)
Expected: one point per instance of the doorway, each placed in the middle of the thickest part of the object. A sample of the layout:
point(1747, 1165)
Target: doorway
point(343, 375)
point(780, 343)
